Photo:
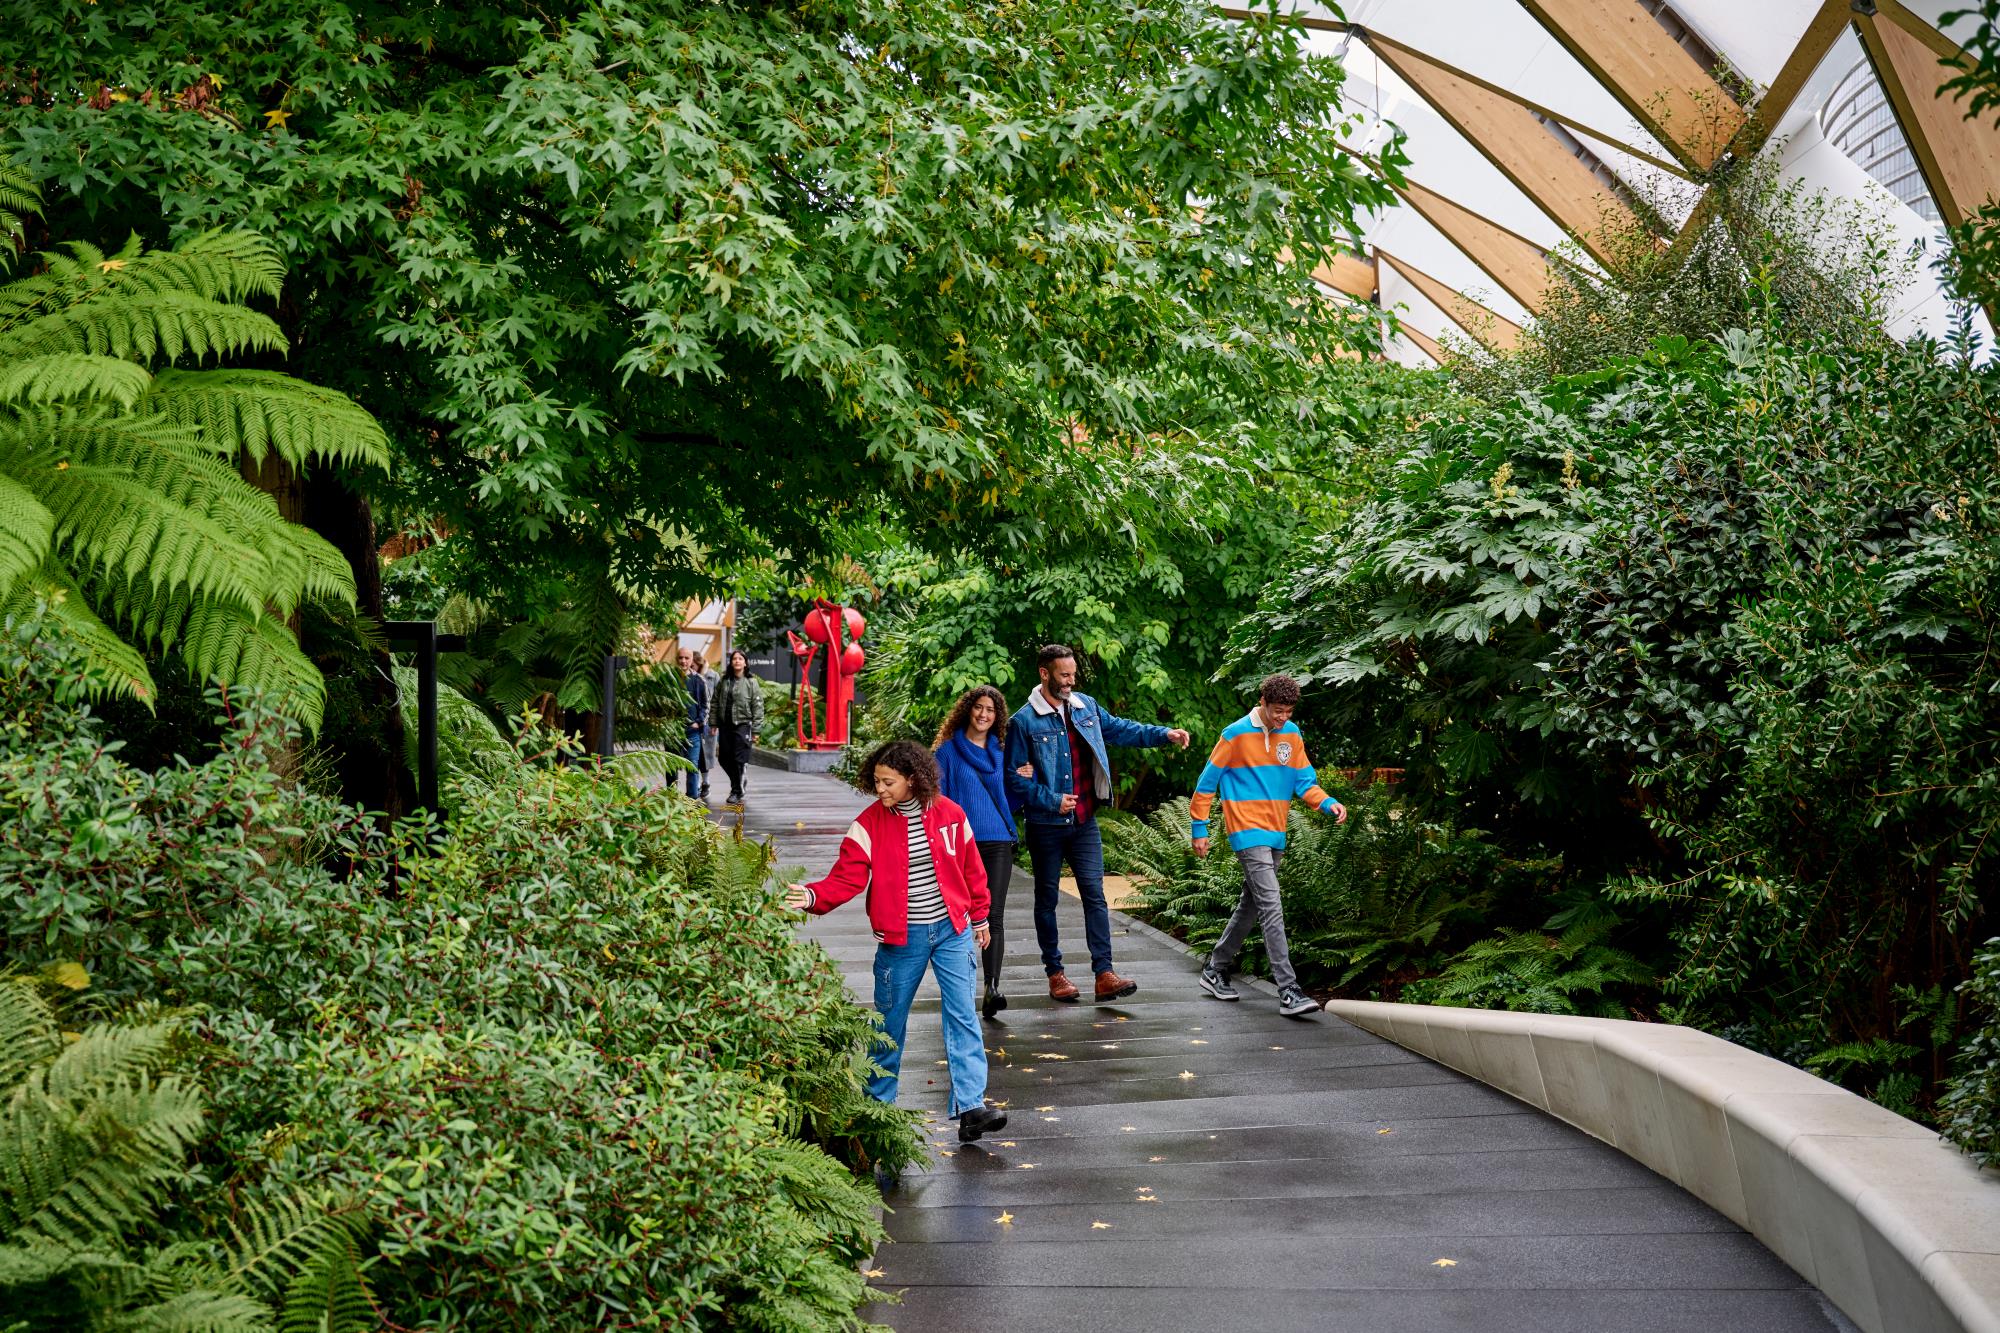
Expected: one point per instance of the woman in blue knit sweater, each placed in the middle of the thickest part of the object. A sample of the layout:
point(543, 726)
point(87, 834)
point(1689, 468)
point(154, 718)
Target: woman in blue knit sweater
point(971, 750)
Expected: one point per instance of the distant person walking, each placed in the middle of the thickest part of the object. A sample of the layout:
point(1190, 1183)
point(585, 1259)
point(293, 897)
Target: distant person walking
point(1259, 768)
point(738, 712)
point(972, 772)
point(697, 719)
point(1061, 738)
point(714, 678)
point(914, 854)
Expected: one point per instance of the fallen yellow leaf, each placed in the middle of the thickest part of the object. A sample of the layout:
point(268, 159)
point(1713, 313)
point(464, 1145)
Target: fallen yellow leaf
point(1385, 1131)
point(1005, 1219)
point(1100, 1226)
point(1027, 1166)
point(1045, 1108)
point(1009, 1143)
point(874, 1272)
point(71, 975)
point(1156, 1159)
point(1444, 1263)
point(1185, 1073)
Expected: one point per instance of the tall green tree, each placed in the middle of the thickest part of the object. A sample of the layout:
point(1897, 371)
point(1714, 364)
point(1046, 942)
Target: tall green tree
point(646, 287)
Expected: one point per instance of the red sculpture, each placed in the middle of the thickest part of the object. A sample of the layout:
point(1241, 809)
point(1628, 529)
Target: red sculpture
point(824, 628)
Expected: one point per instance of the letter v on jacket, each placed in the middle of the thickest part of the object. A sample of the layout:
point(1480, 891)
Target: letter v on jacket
point(875, 858)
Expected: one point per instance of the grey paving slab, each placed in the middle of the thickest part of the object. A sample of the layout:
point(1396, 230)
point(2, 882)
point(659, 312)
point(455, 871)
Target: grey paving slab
point(1303, 1176)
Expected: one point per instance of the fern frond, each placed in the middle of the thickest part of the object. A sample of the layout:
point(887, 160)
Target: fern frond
point(199, 1312)
point(289, 1244)
point(72, 375)
point(19, 197)
point(114, 667)
point(28, 1036)
point(213, 267)
point(261, 411)
point(647, 768)
point(154, 325)
point(107, 1056)
point(220, 643)
point(26, 530)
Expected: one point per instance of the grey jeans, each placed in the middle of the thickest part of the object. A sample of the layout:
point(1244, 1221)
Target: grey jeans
point(1259, 905)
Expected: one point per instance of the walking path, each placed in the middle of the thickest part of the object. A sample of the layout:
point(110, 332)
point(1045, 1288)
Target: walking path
point(1176, 1163)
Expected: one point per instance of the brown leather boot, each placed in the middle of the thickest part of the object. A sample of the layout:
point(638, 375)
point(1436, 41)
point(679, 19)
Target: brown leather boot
point(1060, 987)
point(1111, 986)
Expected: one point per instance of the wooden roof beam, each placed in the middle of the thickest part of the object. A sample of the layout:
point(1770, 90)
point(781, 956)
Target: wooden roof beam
point(1496, 331)
point(1516, 264)
point(1348, 274)
point(1509, 135)
point(1426, 344)
point(1959, 158)
point(1638, 62)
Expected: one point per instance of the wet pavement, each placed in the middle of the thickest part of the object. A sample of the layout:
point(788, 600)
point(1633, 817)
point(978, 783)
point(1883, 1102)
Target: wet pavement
point(1172, 1162)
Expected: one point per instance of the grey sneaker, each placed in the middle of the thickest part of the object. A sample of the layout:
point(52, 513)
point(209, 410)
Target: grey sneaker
point(1217, 984)
point(1292, 1002)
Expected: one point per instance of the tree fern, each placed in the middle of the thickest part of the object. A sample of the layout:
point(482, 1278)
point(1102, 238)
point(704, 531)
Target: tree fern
point(119, 496)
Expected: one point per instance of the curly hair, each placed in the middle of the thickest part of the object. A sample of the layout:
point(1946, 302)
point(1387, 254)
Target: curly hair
point(960, 717)
point(910, 759)
point(1279, 689)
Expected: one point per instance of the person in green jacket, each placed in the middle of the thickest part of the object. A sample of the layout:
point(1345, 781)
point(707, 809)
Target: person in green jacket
point(735, 712)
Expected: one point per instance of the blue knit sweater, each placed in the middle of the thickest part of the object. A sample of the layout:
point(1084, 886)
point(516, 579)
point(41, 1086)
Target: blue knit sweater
point(970, 775)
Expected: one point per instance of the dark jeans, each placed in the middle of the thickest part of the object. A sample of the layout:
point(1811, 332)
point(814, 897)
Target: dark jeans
point(998, 858)
point(1079, 844)
point(734, 753)
point(693, 755)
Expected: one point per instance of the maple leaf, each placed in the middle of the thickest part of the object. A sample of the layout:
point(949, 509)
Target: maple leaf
point(1009, 1143)
point(1187, 1073)
point(1127, 1128)
point(1156, 1159)
point(874, 1272)
point(275, 118)
point(1051, 1117)
point(1100, 1226)
point(1027, 1166)
point(1197, 1042)
point(1027, 1069)
point(1385, 1131)
point(1045, 1108)
point(1005, 1219)
point(1444, 1263)
point(111, 266)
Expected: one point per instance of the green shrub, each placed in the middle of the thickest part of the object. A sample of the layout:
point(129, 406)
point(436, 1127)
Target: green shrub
point(1574, 971)
point(1970, 1107)
point(562, 1047)
point(95, 1133)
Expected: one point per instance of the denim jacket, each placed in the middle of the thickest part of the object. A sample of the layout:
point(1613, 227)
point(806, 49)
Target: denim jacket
point(1035, 736)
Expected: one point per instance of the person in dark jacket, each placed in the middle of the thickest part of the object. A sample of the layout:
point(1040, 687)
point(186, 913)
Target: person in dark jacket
point(697, 720)
point(736, 712)
point(1061, 737)
point(972, 771)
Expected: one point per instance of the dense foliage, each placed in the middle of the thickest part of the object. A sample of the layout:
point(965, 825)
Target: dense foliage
point(1148, 598)
point(559, 1049)
point(1713, 624)
point(95, 1127)
point(120, 496)
point(600, 265)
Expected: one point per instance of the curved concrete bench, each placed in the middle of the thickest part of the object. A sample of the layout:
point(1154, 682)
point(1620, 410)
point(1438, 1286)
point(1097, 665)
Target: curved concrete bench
point(1895, 1226)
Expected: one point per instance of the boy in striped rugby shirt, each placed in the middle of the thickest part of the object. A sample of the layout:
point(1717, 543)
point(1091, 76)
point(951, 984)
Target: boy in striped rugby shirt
point(1259, 768)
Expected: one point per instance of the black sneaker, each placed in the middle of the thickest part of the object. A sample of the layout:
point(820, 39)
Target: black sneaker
point(980, 1120)
point(1292, 1003)
point(993, 1003)
point(1217, 984)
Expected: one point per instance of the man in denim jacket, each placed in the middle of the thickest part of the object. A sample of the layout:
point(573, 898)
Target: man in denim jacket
point(1061, 737)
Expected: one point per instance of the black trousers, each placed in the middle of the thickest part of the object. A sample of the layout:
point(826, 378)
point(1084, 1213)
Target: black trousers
point(734, 753)
point(998, 858)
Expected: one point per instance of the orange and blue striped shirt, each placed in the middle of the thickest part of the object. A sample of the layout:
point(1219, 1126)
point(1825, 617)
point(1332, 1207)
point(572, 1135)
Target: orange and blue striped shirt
point(1258, 774)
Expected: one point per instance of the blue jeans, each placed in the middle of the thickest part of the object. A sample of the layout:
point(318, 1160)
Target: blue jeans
point(693, 755)
point(1083, 847)
point(899, 970)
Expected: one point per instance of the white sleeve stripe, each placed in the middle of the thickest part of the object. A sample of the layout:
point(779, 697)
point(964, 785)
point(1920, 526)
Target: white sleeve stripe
point(861, 838)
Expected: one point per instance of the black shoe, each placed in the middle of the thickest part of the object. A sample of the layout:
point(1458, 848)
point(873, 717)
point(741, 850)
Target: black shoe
point(735, 798)
point(704, 791)
point(993, 1003)
point(980, 1120)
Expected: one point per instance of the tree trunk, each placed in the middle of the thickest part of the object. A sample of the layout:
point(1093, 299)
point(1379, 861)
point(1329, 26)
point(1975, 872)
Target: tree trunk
point(364, 727)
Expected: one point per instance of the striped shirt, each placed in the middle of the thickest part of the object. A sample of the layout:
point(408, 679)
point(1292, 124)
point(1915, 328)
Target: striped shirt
point(926, 898)
point(1258, 774)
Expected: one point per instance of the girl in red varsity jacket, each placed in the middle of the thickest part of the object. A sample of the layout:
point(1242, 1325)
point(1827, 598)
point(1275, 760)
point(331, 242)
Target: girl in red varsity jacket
point(913, 853)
